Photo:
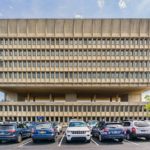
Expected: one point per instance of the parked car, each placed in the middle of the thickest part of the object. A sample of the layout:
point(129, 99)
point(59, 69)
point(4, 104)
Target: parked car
point(148, 121)
point(104, 131)
point(92, 124)
point(135, 129)
point(72, 120)
point(43, 131)
point(78, 130)
point(57, 127)
point(31, 125)
point(14, 132)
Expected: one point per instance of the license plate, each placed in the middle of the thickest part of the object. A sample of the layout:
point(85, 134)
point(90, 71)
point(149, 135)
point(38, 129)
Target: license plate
point(114, 132)
point(42, 132)
point(2, 133)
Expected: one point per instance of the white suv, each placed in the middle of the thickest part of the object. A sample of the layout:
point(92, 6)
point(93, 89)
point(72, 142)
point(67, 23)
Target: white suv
point(78, 130)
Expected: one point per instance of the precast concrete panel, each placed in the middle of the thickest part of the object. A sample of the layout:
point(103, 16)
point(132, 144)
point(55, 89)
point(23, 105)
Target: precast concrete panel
point(68, 28)
point(116, 28)
point(3, 27)
point(125, 28)
point(51, 27)
point(41, 27)
point(22, 27)
point(31, 27)
point(106, 27)
point(135, 27)
point(144, 28)
point(97, 32)
point(87, 27)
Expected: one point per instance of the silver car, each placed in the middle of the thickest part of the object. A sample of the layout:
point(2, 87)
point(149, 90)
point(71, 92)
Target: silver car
point(135, 129)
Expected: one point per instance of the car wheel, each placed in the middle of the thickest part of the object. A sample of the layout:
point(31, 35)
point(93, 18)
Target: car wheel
point(68, 141)
point(88, 141)
point(19, 138)
point(147, 138)
point(100, 138)
point(34, 141)
point(120, 140)
point(53, 140)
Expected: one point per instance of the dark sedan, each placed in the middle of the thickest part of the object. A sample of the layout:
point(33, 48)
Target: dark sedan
point(106, 131)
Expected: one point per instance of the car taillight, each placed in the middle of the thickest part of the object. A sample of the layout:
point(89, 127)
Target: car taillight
point(105, 130)
point(133, 130)
point(12, 131)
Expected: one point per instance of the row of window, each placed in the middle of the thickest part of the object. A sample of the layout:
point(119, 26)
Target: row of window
point(75, 75)
point(81, 52)
point(74, 41)
point(59, 64)
point(73, 108)
point(66, 119)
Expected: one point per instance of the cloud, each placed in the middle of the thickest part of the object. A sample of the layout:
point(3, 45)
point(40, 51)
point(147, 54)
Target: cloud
point(78, 16)
point(101, 3)
point(11, 7)
point(122, 4)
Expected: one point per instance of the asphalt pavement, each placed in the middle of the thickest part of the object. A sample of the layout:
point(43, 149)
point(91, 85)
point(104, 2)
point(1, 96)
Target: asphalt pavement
point(60, 144)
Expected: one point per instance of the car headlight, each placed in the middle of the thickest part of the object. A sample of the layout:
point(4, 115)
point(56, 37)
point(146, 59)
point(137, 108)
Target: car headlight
point(68, 132)
point(88, 132)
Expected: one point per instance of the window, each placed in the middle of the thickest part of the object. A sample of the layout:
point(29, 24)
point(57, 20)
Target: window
point(126, 124)
point(1, 75)
point(1, 64)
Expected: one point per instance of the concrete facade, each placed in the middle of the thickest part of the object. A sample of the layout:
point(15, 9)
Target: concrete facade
point(64, 111)
point(74, 60)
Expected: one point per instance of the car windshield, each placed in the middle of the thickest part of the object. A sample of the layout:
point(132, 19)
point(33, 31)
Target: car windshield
point(141, 124)
point(77, 124)
point(114, 126)
point(92, 122)
point(43, 126)
point(55, 123)
point(29, 124)
point(7, 127)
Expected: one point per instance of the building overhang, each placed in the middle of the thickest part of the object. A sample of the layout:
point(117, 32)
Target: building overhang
point(101, 89)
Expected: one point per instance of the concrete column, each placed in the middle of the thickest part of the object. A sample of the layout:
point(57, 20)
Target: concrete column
point(110, 99)
point(94, 98)
point(28, 97)
point(50, 98)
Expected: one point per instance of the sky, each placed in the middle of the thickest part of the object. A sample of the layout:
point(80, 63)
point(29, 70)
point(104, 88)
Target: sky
point(74, 9)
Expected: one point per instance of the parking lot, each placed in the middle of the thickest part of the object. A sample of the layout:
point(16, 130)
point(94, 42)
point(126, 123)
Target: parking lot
point(60, 143)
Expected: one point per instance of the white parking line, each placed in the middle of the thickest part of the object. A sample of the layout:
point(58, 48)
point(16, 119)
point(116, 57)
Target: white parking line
point(25, 143)
point(61, 140)
point(132, 142)
point(94, 142)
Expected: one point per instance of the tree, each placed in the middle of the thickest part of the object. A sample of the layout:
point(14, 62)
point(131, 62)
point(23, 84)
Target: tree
point(147, 106)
